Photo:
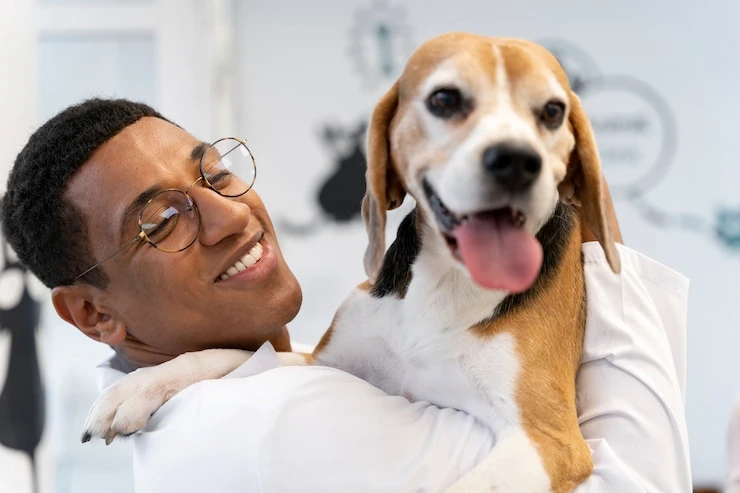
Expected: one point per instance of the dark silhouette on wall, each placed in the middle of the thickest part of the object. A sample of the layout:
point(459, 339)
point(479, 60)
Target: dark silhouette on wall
point(340, 194)
point(22, 406)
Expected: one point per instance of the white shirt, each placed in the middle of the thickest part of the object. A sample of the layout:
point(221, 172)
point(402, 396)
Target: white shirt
point(272, 429)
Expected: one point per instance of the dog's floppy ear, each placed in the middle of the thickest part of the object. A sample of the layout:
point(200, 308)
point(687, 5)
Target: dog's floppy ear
point(384, 190)
point(584, 185)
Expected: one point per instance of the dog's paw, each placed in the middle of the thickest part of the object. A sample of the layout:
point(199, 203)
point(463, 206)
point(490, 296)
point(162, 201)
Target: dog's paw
point(125, 407)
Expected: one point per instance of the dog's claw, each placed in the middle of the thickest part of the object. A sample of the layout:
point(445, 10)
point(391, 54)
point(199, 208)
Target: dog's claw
point(110, 437)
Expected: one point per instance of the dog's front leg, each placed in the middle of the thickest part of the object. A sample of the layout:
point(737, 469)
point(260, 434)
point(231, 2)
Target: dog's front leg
point(514, 466)
point(126, 406)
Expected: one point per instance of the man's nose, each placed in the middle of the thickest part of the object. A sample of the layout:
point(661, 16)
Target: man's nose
point(220, 217)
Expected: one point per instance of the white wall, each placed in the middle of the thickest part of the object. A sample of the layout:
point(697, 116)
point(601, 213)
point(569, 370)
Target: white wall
point(17, 94)
point(297, 73)
point(17, 120)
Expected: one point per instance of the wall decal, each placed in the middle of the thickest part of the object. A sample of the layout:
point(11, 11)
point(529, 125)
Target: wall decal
point(22, 407)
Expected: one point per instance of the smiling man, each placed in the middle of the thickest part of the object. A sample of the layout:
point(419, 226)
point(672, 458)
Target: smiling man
point(150, 304)
point(156, 244)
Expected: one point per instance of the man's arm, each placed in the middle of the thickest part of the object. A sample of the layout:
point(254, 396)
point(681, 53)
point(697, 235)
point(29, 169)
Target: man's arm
point(319, 429)
point(303, 429)
point(631, 381)
point(630, 393)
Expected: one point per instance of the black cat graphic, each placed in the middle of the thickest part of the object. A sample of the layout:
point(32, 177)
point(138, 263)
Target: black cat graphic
point(340, 196)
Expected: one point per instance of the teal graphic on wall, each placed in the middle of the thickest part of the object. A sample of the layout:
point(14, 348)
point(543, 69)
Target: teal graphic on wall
point(380, 43)
point(637, 135)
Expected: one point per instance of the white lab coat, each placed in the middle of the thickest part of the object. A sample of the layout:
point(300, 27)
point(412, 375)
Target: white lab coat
point(272, 429)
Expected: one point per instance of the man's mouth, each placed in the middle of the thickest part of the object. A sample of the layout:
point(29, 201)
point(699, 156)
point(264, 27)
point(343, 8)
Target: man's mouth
point(248, 260)
point(498, 252)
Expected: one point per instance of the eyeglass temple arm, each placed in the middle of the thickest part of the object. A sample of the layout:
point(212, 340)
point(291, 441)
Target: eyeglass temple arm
point(139, 237)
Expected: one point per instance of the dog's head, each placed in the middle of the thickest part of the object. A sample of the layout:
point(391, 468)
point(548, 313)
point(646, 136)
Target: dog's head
point(486, 135)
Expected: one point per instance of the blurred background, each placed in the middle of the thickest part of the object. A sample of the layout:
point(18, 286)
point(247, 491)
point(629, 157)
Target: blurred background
point(298, 79)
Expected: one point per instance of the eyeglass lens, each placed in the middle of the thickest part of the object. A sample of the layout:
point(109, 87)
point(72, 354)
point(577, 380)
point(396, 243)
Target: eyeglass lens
point(170, 221)
point(229, 168)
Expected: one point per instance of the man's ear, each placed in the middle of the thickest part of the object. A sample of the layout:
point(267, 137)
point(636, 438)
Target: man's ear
point(585, 187)
point(79, 306)
point(384, 190)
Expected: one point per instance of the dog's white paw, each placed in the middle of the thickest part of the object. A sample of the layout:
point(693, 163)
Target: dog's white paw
point(125, 407)
point(513, 466)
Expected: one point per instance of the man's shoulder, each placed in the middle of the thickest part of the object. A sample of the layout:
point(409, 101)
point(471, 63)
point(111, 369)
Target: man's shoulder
point(221, 428)
point(637, 264)
point(278, 430)
point(253, 398)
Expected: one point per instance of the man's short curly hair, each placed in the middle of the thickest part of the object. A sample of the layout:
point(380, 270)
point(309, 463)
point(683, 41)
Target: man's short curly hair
point(49, 234)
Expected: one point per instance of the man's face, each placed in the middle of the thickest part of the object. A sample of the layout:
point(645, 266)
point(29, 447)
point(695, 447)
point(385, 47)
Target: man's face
point(175, 302)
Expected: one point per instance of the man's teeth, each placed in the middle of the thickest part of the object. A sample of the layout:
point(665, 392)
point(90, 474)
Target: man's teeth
point(247, 261)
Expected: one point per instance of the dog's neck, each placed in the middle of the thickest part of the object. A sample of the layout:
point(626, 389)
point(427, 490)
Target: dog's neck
point(419, 269)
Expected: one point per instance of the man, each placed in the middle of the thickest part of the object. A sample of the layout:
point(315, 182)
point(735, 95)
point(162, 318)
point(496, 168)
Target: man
point(79, 213)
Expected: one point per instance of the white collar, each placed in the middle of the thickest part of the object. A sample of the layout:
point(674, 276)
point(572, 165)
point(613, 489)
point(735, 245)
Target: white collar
point(115, 368)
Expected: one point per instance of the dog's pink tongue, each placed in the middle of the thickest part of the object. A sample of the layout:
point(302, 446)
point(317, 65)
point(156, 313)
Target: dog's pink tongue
point(498, 254)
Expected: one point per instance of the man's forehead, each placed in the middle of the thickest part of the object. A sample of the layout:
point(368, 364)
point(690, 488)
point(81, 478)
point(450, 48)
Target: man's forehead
point(151, 135)
point(148, 142)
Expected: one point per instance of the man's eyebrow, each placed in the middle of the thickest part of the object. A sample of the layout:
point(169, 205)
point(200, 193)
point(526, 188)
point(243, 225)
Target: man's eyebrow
point(198, 151)
point(134, 208)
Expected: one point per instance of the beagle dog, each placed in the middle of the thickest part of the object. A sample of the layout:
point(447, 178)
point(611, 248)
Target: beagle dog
point(479, 303)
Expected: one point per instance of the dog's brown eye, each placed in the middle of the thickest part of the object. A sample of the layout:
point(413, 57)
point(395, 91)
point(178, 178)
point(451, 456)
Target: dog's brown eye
point(552, 114)
point(446, 103)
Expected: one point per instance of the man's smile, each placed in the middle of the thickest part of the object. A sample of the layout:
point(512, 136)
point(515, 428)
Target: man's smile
point(248, 260)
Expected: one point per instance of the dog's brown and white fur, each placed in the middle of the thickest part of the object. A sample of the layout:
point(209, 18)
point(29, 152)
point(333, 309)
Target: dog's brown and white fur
point(420, 326)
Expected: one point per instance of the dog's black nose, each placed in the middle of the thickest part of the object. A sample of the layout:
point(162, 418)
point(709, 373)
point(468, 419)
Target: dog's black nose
point(513, 166)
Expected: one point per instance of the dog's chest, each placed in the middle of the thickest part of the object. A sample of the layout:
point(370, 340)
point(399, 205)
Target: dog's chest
point(419, 358)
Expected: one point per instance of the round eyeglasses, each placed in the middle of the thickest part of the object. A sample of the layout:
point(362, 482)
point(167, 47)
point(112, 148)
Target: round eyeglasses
point(170, 221)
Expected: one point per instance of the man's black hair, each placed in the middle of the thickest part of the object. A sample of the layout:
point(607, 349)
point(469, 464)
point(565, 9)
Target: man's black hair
point(49, 234)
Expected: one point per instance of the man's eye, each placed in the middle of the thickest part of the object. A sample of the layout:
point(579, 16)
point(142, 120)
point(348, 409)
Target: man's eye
point(156, 231)
point(220, 179)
